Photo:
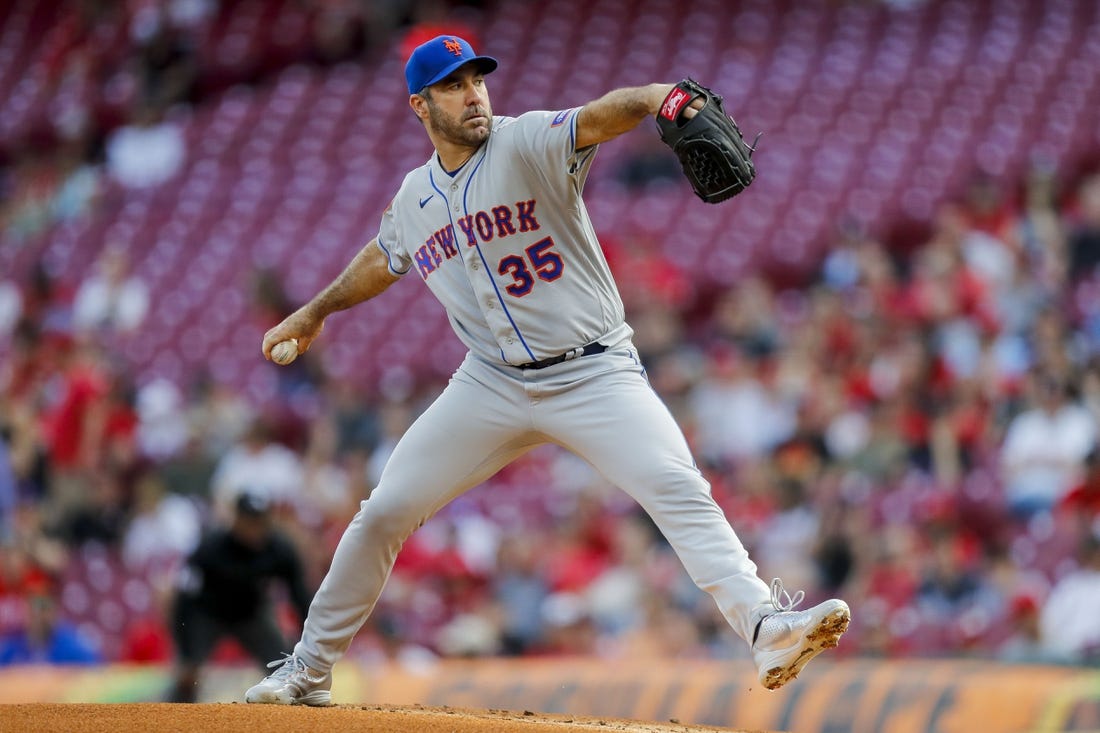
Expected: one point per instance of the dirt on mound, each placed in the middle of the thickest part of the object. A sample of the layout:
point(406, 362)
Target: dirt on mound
point(227, 717)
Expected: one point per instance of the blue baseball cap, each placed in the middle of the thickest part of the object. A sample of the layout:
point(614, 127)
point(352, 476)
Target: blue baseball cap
point(434, 59)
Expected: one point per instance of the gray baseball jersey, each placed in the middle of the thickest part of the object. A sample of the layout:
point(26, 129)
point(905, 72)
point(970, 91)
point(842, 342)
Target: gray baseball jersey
point(506, 245)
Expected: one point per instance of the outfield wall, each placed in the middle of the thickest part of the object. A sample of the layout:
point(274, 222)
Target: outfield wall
point(900, 696)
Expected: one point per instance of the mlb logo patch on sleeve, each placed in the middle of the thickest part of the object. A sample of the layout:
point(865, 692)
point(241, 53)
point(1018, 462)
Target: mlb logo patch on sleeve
point(560, 117)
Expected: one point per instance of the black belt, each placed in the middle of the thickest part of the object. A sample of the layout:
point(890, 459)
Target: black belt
point(592, 348)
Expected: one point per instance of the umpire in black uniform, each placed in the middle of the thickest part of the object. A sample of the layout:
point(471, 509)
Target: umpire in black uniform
point(225, 589)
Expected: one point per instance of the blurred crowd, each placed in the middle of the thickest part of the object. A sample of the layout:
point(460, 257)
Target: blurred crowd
point(913, 428)
point(102, 101)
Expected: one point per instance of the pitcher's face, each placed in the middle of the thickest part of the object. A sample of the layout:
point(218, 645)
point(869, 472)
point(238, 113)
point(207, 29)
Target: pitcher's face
point(458, 108)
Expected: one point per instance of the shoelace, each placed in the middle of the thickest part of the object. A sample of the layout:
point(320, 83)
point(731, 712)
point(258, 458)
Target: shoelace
point(782, 600)
point(287, 665)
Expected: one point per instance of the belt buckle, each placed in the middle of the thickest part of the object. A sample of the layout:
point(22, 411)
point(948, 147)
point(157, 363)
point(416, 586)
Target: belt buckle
point(575, 353)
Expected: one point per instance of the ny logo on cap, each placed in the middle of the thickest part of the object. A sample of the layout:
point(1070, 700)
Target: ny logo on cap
point(453, 46)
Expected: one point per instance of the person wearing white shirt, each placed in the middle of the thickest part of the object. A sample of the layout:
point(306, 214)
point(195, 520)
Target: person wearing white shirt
point(1045, 447)
point(258, 466)
point(112, 299)
point(1069, 622)
point(147, 152)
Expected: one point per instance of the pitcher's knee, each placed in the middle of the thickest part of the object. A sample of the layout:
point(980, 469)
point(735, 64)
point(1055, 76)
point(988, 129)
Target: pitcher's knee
point(383, 520)
point(663, 481)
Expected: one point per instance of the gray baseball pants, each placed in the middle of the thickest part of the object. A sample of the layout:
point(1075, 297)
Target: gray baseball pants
point(600, 407)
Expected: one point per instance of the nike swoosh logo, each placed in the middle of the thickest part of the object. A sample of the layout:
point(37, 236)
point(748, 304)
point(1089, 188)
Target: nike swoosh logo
point(424, 201)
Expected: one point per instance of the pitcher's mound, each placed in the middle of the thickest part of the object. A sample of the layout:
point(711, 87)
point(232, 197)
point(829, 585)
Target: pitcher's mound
point(226, 717)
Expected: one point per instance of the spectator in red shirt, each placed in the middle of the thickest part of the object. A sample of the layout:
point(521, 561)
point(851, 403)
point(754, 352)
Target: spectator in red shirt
point(19, 578)
point(434, 18)
point(1081, 505)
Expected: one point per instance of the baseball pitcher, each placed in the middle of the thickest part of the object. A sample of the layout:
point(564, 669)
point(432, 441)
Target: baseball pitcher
point(495, 225)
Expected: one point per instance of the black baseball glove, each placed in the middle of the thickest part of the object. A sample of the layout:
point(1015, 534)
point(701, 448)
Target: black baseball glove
point(715, 157)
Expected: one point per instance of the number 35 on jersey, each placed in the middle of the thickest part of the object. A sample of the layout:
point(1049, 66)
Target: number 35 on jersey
point(538, 260)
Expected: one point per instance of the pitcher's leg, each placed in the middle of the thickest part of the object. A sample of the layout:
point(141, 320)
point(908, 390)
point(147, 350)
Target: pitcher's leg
point(458, 442)
point(619, 425)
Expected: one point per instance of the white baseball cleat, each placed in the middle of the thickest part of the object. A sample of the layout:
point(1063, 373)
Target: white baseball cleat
point(293, 683)
point(789, 639)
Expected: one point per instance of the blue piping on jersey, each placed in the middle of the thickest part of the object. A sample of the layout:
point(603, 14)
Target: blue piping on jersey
point(389, 260)
point(589, 152)
point(477, 245)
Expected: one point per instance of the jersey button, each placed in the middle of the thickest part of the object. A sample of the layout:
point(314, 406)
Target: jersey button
point(454, 186)
point(474, 265)
point(510, 340)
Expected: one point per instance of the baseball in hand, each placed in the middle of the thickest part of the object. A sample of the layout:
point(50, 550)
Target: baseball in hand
point(284, 352)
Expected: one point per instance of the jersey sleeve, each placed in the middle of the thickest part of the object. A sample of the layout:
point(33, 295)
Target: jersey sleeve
point(550, 140)
point(389, 241)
